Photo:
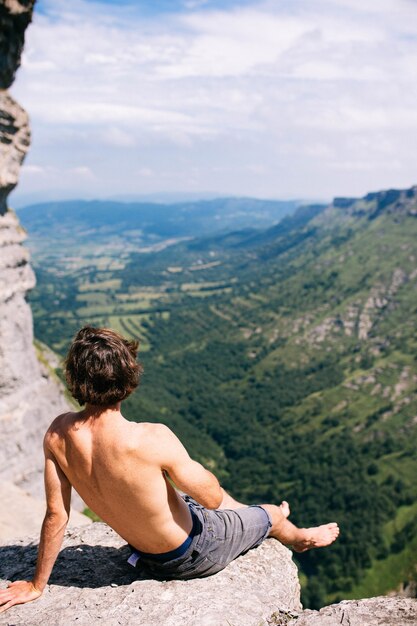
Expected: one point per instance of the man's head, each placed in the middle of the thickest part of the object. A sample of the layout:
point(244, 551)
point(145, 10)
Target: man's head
point(101, 367)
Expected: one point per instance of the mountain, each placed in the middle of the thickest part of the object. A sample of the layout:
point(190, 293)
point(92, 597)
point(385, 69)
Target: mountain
point(141, 225)
point(285, 359)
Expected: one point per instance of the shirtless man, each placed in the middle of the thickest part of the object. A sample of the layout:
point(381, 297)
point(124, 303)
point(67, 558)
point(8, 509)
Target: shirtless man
point(121, 471)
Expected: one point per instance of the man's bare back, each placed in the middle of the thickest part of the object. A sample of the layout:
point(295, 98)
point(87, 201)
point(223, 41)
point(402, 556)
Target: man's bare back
point(119, 469)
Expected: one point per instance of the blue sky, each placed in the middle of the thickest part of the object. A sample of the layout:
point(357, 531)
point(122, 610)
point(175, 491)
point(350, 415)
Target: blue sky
point(159, 6)
point(270, 98)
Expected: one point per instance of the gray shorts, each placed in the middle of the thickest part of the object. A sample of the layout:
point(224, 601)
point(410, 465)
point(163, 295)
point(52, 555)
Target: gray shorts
point(220, 536)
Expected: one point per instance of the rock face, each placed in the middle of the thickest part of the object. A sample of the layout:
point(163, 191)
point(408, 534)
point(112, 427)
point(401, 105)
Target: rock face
point(15, 15)
point(24, 512)
point(92, 583)
point(30, 396)
point(369, 612)
point(14, 143)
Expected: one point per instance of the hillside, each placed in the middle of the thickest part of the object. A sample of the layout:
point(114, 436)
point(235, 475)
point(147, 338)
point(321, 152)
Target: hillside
point(285, 359)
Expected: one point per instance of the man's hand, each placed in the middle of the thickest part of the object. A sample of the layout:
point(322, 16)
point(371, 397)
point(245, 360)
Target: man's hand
point(19, 592)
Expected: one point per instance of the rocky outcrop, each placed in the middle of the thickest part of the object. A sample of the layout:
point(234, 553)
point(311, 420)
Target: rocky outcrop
point(24, 513)
point(379, 611)
point(92, 583)
point(398, 201)
point(15, 15)
point(30, 394)
point(14, 143)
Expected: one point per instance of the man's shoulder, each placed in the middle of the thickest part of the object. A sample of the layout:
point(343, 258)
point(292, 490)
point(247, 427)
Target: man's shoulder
point(151, 429)
point(151, 433)
point(59, 424)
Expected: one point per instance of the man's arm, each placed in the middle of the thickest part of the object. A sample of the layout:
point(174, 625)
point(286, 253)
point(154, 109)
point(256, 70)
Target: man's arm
point(188, 475)
point(58, 499)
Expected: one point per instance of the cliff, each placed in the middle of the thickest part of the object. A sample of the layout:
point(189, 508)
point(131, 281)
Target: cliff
point(92, 583)
point(15, 15)
point(30, 395)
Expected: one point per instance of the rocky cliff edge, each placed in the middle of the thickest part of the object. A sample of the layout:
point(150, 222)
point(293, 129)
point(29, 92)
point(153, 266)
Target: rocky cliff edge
point(30, 394)
point(92, 584)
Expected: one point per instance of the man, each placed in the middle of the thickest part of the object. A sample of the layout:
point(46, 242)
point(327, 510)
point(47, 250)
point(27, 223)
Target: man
point(124, 472)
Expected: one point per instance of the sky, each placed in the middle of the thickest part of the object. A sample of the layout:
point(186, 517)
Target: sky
point(274, 99)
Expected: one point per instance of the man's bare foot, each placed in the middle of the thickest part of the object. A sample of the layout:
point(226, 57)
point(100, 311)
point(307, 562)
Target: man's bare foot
point(285, 508)
point(317, 537)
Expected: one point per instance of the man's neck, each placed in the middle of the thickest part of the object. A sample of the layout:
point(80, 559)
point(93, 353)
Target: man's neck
point(92, 411)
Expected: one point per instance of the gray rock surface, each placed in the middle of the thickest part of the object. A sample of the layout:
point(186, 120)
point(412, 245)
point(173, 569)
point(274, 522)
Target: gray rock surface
point(92, 584)
point(24, 513)
point(30, 394)
point(14, 144)
point(381, 611)
point(15, 15)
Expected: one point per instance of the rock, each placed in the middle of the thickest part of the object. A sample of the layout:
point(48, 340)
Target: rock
point(381, 611)
point(15, 15)
point(379, 298)
point(30, 394)
point(92, 584)
point(14, 144)
point(24, 514)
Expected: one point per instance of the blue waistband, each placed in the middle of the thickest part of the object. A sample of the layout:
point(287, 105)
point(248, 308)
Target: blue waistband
point(172, 554)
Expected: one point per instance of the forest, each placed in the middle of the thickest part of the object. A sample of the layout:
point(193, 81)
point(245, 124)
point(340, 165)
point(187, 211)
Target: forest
point(284, 358)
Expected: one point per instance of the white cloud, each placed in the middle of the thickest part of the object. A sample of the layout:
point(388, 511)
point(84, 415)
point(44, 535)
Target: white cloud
point(283, 86)
point(33, 169)
point(115, 136)
point(233, 44)
point(364, 165)
point(99, 113)
point(82, 171)
point(146, 172)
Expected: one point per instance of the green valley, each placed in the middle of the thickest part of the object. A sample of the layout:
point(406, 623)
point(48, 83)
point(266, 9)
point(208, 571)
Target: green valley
point(284, 357)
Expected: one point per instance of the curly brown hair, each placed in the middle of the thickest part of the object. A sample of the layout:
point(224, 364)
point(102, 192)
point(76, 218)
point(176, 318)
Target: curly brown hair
point(101, 367)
